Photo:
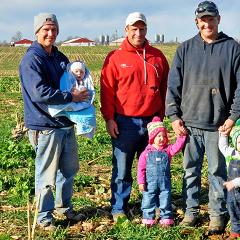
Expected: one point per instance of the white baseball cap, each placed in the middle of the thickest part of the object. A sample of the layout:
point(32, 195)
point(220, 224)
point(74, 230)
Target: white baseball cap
point(134, 17)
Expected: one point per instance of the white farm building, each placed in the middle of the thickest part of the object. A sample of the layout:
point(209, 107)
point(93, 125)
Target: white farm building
point(117, 42)
point(79, 42)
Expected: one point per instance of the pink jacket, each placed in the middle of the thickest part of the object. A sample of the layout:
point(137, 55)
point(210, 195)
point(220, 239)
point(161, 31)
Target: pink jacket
point(170, 149)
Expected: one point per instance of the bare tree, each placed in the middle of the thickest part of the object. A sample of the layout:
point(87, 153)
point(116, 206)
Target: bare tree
point(17, 36)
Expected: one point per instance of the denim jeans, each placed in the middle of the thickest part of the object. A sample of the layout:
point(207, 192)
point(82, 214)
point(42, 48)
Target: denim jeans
point(132, 139)
point(56, 164)
point(233, 197)
point(158, 186)
point(199, 142)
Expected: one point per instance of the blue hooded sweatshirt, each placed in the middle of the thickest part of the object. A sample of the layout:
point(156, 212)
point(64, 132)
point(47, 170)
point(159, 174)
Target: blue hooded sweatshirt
point(40, 74)
point(204, 82)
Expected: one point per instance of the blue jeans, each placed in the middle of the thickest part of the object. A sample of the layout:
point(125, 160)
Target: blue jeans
point(200, 141)
point(132, 139)
point(56, 164)
point(233, 197)
point(158, 186)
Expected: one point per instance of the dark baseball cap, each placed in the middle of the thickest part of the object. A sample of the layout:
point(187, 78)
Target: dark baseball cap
point(206, 8)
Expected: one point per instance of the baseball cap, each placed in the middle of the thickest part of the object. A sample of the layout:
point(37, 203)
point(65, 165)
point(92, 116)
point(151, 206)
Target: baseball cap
point(134, 17)
point(206, 8)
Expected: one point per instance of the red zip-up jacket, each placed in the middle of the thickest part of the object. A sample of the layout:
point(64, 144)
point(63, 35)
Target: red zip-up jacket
point(132, 86)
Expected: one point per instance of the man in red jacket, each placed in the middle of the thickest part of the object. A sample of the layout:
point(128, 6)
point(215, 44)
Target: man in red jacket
point(133, 90)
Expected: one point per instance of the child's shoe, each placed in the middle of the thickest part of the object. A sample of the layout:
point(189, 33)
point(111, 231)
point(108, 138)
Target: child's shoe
point(148, 222)
point(168, 222)
point(233, 236)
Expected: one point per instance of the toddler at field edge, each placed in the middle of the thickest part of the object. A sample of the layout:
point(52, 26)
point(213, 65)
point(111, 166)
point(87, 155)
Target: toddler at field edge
point(77, 76)
point(232, 155)
point(154, 178)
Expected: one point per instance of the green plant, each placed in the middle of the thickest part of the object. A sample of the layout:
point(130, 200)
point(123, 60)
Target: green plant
point(16, 154)
point(82, 180)
point(59, 234)
point(4, 236)
point(10, 84)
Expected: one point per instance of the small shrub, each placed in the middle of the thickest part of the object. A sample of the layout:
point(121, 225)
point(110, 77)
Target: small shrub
point(81, 181)
point(10, 84)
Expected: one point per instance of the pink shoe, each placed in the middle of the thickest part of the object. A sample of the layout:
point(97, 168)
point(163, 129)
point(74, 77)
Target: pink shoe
point(149, 222)
point(168, 222)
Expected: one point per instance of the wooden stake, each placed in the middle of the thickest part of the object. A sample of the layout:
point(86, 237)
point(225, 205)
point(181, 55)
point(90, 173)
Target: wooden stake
point(29, 219)
point(35, 215)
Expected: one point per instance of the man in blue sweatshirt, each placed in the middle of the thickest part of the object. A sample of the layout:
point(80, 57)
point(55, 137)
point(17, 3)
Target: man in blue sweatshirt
point(204, 94)
point(53, 139)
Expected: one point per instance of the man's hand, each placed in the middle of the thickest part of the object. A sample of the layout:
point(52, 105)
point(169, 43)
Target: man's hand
point(226, 128)
point(79, 95)
point(179, 128)
point(141, 187)
point(112, 128)
point(229, 185)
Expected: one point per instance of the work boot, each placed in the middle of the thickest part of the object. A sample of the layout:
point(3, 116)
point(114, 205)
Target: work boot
point(70, 215)
point(216, 225)
point(188, 221)
point(75, 216)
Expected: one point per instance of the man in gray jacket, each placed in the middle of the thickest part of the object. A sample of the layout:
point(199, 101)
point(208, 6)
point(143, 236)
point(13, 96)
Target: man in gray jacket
point(204, 94)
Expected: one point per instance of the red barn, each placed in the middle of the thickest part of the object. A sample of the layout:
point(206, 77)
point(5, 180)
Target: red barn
point(23, 43)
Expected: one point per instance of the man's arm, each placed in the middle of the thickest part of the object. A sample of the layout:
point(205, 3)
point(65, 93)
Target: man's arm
point(235, 107)
point(107, 96)
point(112, 128)
point(174, 95)
point(174, 89)
point(163, 85)
point(36, 85)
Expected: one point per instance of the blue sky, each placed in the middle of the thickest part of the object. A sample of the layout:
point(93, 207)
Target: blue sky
point(91, 18)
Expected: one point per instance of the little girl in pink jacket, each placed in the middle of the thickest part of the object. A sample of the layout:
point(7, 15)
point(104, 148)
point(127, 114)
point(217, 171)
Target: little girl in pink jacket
point(154, 177)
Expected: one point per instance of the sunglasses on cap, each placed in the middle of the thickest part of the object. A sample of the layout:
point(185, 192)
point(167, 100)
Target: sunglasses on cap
point(207, 6)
